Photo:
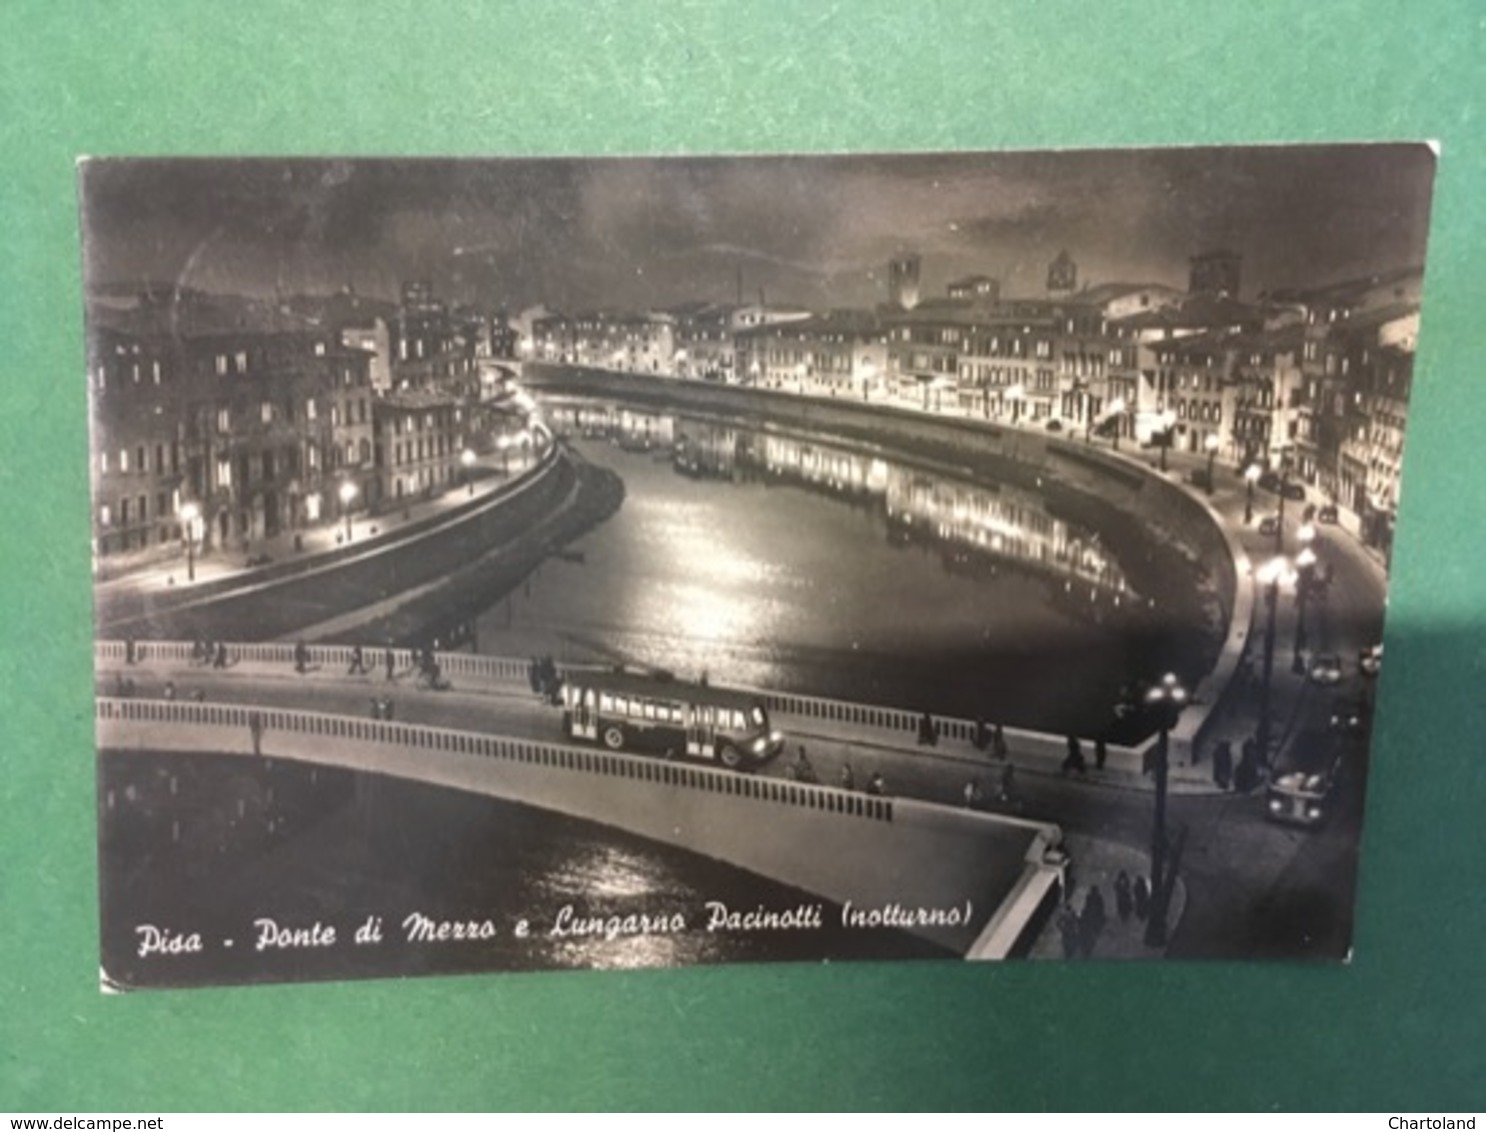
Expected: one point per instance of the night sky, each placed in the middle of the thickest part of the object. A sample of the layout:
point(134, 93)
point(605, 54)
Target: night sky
point(810, 230)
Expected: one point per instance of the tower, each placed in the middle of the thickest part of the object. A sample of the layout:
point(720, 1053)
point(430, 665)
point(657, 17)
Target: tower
point(1062, 274)
point(902, 281)
point(1215, 273)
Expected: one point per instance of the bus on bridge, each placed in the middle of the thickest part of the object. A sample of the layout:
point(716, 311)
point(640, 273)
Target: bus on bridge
point(665, 716)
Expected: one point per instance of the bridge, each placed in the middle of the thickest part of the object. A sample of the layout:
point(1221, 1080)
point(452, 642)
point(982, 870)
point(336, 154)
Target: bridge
point(976, 883)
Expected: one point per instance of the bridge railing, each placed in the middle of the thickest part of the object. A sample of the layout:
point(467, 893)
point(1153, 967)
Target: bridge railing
point(320, 725)
point(463, 668)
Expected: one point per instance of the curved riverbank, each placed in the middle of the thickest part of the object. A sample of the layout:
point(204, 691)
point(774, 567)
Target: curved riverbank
point(1170, 547)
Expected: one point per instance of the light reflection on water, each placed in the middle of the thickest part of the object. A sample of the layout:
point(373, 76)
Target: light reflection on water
point(774, 562)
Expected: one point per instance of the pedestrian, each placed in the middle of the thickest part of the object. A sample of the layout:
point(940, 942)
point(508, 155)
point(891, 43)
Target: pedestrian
point(534, 675)
point(974, 796)
point(928, 731)
point(876, 786)
point(1068, 930)
point(1074, 763)
point(197, 651)
point(358, 662)
point(848, 780)
point(1008, 780)
point(255, 728)
point(1141, 892)
point(1223, 764)
point(1092, 921)
point(219, 660)
point(390, 662)
point(982, 738)
point(1124, 898)
point(170, 689)
point(128, 650)
point(998, 743)
point(801, 770)
point(1246, 776)
point(1100, 753)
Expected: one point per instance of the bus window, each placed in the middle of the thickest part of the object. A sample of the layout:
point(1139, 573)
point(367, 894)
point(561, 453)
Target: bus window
point(606, 702)
point(758, 716)
point(588, 698)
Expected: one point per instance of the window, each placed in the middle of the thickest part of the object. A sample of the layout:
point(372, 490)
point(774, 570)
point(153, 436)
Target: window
point(105, 516)
point(139, 459)
point(224, 420)
point(309, 409)
point(221, 365)
point(123, 460)
point(240, 361)
point(224, 473)
point(265, 412)
point(103, 463)
point(319, 349)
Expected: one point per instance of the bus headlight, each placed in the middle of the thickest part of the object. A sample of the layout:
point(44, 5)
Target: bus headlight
point(759, 745)
point(1314, 813)
point(1275, 805)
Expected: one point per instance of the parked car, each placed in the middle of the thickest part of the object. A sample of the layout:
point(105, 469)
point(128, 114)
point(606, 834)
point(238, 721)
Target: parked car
point(1054, 425)
point(1370, 661)
point(1326, 670)
point(1327, 514)
point(1269, 525)
point(1349, 716)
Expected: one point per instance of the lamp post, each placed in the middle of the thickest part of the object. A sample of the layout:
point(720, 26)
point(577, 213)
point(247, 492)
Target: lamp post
point(1211, 444)
point(1270, 575)
point(1305, 563)
point(467, 461)
point(1279, 526)
point(1166, 698)
point(348, 493)
point(1251, 477)
point(190, 514)
point(1117, 414)
point(1168, 423)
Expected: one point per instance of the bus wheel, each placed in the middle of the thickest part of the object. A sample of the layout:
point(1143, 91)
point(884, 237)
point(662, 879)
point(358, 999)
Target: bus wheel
point(729, 756)
point(613, 738)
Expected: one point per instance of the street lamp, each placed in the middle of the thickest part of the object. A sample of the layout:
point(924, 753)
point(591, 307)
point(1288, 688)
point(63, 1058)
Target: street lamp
point(1166, 698)
point(1305, 563)
point(467, 459)
point(1270, 575)
point(1279, 526)
point(1211, 444)
point(1168, 424)
point(348, 493)
point(1116, 413)
point(190, 513)
point(1251, 476)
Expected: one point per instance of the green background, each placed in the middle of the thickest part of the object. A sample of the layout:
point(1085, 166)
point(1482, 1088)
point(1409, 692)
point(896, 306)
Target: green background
point(1399, 1028)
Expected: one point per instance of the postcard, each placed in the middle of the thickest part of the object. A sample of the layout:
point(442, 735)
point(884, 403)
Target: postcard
point(532, 564)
